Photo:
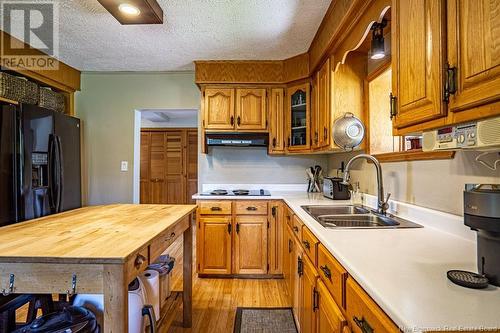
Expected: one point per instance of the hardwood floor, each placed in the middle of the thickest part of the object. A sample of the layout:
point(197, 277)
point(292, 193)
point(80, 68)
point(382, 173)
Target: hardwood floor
point(215, 300)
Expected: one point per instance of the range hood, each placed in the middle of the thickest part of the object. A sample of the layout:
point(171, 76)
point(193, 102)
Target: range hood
point(237, 139)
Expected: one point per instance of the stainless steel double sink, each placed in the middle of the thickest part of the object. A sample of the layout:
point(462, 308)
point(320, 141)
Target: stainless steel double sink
point(353, 216)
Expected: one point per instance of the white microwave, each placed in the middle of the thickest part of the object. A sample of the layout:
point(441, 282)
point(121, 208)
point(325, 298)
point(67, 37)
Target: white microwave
point(479, 135)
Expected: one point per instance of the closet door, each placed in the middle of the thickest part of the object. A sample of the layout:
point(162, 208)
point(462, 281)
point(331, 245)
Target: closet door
point(175, 188)
point(144, 166)
point(157, 172)
point(191, 164)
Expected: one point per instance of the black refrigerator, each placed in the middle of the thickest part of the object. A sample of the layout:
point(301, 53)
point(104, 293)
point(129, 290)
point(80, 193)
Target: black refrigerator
point(39, 163)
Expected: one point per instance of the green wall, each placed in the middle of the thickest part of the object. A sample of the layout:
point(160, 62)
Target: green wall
point(106, 105)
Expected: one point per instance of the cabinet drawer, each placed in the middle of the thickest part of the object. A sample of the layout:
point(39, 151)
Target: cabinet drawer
point(310, 245)
point(333, 274)
point(297, 227)
point(255, 207)
point(137, 263)
point(166, 238)
point(289, 216)
point(363, 313)
point(215, 207)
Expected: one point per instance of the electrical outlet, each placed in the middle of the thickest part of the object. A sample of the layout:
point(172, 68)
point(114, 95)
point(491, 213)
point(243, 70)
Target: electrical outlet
point(124, 166)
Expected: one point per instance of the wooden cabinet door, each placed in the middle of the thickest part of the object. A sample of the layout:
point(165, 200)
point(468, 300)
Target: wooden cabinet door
point(214, 245)
point(191, 164)
point(275, 238)
point(329, 318)
point(175, 167)
point(473, 49)
point(144, 179)
point(308, 302)
point(250, 245)
point(323, 93)
point(418, 60)
point(277, 121)
point(251, 113)
point(219, 108)
point(287, 260)
point(298, 118)
point(157, 172)
point(297, 273)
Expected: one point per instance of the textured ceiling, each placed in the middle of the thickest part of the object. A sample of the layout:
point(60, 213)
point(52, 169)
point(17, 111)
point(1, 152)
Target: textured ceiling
point(92, 40)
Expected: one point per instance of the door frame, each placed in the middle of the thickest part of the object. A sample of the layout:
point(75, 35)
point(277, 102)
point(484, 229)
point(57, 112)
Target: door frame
point(137, 147)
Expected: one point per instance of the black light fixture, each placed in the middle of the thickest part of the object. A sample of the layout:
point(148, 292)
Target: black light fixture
point(134, 11)
point(377, 50)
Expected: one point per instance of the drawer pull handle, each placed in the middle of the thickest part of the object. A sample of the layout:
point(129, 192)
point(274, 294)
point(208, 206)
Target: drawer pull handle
point(252, 208)
point(215, 209)
point(363, 324)
point(326, 272)
point(139, 260)
point(307, 245)
point(295, 228)
point(172, 235)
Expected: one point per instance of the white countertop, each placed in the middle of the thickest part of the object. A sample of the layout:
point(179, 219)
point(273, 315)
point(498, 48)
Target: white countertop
point(404, 270)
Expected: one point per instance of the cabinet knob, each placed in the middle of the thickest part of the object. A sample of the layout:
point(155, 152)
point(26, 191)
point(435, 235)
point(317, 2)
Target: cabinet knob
point(307, 245)
point(139, 261)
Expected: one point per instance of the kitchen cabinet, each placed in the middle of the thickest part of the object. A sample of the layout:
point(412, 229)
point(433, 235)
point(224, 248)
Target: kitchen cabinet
point(275, 237)
point(297, 281)
point(288, 246)
point(250, 245)
point(214, 245)
point(169, 163)
point(277, 121)
point(298, 118)
point(251, 111)
point(473, 40)
point(321, 137)
point(309, 297)
point(218, 108)
point(329, 317)
point(418, 44)
point(363, 313)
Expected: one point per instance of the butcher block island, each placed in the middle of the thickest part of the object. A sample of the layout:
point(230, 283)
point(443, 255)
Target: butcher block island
point(94, 250)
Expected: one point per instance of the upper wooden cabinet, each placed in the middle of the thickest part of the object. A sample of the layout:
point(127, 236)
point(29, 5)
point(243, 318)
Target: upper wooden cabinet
point(251, 109)
point(235, 109)
point(418, 60)
point(473, 52)
point(299, 118)
point(219, 108)
point(277, 121)
point(323, 109)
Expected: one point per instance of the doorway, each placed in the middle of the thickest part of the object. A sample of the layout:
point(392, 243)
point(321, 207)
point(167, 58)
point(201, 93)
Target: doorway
point(166, 156)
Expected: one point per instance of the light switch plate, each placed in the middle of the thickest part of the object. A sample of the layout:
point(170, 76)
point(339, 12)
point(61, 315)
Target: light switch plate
point(124, 166)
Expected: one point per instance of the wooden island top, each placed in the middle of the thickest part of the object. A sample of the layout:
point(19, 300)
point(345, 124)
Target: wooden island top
point(95, 250)
point(103, 234)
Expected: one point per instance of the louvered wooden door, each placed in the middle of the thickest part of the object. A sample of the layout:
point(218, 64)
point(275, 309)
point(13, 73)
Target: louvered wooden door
point(169, 163)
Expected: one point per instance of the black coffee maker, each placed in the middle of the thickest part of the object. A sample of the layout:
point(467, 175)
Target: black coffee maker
point(482, 214)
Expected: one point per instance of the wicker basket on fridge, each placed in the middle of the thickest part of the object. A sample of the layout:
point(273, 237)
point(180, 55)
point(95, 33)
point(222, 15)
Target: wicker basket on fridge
point(18, 89)
point(51, 100)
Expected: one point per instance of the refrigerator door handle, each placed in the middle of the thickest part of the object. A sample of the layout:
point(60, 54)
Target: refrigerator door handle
point(60, 174)
point(52, 172)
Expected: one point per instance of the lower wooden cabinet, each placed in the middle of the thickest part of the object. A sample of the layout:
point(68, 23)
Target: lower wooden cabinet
point(250, 245)
point(296, 281)
point(309, 298)
point(363, 313)
point(275, 238)
point(288, 259)
point(329, 318)
point(214, 245)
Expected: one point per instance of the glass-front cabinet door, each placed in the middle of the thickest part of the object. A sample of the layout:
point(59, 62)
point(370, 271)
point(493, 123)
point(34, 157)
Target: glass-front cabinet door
point(298, 118)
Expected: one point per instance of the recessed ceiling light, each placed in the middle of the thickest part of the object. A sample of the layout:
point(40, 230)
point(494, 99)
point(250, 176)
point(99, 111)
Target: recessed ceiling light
point(129, 9)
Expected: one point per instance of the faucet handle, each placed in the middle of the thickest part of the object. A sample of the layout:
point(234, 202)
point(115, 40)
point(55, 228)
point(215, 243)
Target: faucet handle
point(385, 203)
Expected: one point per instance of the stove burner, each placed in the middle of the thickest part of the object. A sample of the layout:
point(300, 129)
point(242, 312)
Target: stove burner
point(218, 192)
point(241, 192)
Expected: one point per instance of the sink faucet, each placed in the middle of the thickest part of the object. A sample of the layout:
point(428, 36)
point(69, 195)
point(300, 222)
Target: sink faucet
point(382, 204)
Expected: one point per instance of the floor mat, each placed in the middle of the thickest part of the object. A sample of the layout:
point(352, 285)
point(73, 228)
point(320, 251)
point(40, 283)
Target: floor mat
point(264, 320)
